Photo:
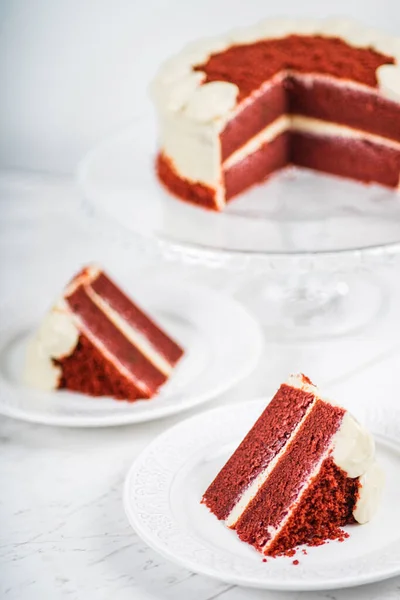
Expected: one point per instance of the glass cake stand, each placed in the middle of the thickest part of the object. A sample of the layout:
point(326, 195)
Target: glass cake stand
point(303, 249)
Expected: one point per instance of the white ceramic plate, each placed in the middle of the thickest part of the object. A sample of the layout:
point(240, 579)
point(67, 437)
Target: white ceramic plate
point(205, 322)
point(162, 501)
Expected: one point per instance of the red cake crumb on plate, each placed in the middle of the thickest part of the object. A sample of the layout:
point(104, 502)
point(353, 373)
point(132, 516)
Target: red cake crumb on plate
point(305, 470)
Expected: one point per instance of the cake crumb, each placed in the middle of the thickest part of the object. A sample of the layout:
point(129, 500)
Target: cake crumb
point(265, 560)
point(304, 551)
point(296, 562)
point(291, 552)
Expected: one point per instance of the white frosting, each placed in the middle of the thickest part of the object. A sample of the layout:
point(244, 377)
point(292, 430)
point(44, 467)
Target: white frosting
point(269, 28)
point(193, 147)
point(310, 125)
point(352, 449)
point(171, 70)
point(306, 125)
point(57, 337)
point(175, 97)
point(132, 334)
point(211, 101)
point(372, 483)
point(201, 50)
point(389, 81)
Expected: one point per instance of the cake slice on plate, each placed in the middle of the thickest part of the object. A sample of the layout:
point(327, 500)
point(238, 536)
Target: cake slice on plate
point(304, 470)
point(97, 341)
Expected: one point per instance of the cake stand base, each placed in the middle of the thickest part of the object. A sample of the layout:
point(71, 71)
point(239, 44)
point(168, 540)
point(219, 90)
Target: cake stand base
point(314, 306)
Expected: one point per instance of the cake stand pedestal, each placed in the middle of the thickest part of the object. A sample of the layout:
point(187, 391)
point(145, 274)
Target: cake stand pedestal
point(302, 251)
point(315, 306)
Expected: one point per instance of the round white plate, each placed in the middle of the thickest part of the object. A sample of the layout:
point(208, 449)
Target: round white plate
point(162, 500)
point(205, 322)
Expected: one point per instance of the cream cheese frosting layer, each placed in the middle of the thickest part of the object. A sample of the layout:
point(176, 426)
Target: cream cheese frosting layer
point(319, 127)
point(57, 336)
point(372, 483)
point(352, 449)
point(310, 125)
point(134, 335)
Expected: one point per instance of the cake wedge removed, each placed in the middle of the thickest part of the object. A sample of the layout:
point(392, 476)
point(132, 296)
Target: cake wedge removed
point(305, 469)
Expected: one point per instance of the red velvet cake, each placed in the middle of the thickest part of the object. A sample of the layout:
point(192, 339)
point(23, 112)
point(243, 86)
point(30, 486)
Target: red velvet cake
point(96, 341)
point(304, 470)
point(233, 110)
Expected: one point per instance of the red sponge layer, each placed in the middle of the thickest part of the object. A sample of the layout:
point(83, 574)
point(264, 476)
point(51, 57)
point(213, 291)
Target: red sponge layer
point(135, 317)
point(263, 442)
point(324, 509)
point(86, 371)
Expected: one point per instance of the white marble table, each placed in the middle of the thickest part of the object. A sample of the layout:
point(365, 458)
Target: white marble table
point(63, 532)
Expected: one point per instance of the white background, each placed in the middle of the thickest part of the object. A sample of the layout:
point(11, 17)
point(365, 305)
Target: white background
point(72, 71)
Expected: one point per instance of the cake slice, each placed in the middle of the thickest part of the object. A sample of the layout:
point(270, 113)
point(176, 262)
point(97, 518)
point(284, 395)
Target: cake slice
point(304, 470)
point(97, 341)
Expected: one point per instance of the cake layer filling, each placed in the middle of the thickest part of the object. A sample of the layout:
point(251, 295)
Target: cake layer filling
point(326, 147)
point(113, 343)
point(134, 336)
point(160, 346)
point(312, 95)
point(299, 123)
point(259, 448)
